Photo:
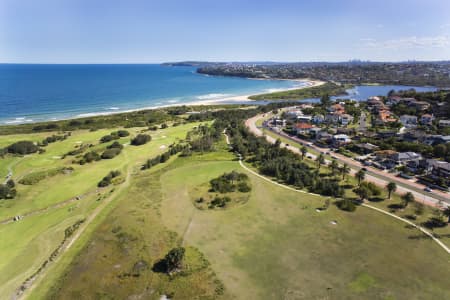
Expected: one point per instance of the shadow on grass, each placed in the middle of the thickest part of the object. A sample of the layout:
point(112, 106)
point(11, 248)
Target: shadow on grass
point(434, 223)
point(160, 266)
point(376, 199)
point(395, 206)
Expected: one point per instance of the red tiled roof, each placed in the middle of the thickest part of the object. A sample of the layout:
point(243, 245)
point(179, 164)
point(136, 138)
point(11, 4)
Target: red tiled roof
point(303, 126)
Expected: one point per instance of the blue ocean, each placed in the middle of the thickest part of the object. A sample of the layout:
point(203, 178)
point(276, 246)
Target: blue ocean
point(32, 93)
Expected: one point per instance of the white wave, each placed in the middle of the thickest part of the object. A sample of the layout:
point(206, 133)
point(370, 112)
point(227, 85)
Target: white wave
point(212, 96)
point(113, 108)
point(19, 120)
point(173, 101)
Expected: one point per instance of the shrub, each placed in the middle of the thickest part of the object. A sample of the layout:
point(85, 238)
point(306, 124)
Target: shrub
point(90, 157)
point(116, 145)
point(108, 138)
point(22, 147)
point(108, 178)
point(346, 204)
point(110, 153)
point(141, 139)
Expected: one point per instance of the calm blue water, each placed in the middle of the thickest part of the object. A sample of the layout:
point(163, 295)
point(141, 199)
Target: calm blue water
point(31, 93)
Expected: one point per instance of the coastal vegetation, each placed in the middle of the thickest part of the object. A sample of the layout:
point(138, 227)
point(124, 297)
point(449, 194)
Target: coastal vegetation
point(330, 89)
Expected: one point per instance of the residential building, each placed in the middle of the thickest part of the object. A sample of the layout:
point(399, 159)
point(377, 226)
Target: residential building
point(341, 139)
point(444, 123)
point(426, 119)
point(318, 119)
point(346, 119)
point(302, 128)
point(402, 158)
point(408, 121)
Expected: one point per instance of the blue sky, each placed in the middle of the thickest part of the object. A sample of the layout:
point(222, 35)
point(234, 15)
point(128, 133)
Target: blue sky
point(146, 31)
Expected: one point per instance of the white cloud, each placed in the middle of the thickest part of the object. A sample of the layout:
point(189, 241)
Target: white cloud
point(408, 42)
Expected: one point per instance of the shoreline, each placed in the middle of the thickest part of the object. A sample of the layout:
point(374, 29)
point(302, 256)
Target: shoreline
point(233, 100)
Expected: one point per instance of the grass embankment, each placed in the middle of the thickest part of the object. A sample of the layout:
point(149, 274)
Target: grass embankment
point(328, 88)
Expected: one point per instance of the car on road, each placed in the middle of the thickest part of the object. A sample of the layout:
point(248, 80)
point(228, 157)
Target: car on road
point(287, 145)
point(364, 169)
point(427, 189)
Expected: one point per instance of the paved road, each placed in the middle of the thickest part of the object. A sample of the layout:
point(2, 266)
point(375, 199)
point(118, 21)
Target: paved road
point(376, 176)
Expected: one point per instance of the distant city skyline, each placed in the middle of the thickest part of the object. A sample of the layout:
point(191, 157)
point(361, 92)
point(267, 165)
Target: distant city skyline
point(138, 31)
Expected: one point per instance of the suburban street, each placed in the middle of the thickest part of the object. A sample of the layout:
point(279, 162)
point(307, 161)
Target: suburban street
point(376, 176)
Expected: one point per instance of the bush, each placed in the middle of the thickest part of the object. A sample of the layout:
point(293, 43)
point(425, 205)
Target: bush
point(347, 205)
point(22, 147)
point(7, 191)
point(243, 187)
point(108, 138)
point(90, 157)
point(122, 133)
point(115, 145)
point(108, 178)
point(110, 153)
point(229, 182)
point(141, 139)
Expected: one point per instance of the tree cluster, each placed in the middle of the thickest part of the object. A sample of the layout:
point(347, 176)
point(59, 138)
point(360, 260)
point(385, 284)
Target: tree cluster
point(141, 139)
point(108, 178)
point(230, 182)
point(8, 190)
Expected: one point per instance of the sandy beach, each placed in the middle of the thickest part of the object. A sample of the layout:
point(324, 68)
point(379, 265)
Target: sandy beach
point(309, 83)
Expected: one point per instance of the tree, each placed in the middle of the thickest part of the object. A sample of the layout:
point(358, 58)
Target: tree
point(446, 212)
point(325, 100)
point(174, 259)
point(391, 187)
point(344, 170)
point(320, 160)
point(334, 166)
point(360, 175)
point(304, 151)
point(363, 192)
point(407, 198)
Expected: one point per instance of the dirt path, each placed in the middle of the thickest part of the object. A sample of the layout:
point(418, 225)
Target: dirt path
point(423, 230)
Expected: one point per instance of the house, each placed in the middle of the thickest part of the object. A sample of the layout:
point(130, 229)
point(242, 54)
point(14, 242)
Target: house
point(441, 170)
point(336, 108)
point(403, 158)
point(314, 131)
point(393, 100)
point(419, 105)
point(408, 121)
point(293, 113)
point(318, 119)
point(341, 139)
point(426, 119)
point(278, 122)
point(304, 119)
point(444, 123)
point(302, 128)
point(366, 148)
point(346, 119)
point(332, 118)
point(437, 139)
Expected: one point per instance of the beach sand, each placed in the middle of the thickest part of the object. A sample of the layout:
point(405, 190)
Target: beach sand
point(245, 98)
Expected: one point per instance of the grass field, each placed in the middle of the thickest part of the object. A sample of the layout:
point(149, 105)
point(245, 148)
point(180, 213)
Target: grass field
point(274, 246)
point(26, 244)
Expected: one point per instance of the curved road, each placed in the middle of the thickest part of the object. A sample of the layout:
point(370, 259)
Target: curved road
point(376, 176)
